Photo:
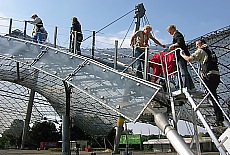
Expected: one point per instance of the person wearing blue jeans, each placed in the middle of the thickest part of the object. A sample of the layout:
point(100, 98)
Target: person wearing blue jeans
point(142, 37)
point(179, 42)
point(37, 37)
point(38, 29)
point(141, 61)
point(185, 78)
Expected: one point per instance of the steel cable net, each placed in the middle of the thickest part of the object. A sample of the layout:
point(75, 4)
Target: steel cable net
point(219, 42)
point(89, 84)
point(99, 94)
point(13, 105)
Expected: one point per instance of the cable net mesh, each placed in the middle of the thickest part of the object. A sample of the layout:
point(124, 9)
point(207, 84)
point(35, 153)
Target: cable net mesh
point(99, 94)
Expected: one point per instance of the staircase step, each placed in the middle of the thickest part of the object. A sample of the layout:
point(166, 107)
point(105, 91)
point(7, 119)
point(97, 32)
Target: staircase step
point(205, 106)
point(217, 128)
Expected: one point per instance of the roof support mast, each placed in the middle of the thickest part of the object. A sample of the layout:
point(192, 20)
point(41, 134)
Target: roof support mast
point(160, 119)
point(139, 13)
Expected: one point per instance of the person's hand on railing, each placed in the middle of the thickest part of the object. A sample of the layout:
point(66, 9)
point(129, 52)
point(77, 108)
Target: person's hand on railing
point(172, 47)
point(164, 46)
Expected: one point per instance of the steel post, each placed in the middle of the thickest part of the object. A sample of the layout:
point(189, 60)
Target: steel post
point(25, 27)
point(119, 129)
point(10, 26)
point(115, 54)
point(75, 42)
point(146, 67)
point(55, 36)
point(93, 44)
point(28, 116)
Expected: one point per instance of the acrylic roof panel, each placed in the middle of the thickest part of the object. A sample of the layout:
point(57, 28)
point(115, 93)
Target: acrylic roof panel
point(97, 97)
point(97, 94)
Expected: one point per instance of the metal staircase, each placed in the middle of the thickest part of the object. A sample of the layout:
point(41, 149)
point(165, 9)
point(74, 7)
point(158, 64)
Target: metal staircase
point(196, 108)
point(99, 94)
point(196, 102)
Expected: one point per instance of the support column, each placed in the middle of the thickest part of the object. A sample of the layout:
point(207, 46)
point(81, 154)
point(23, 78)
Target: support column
point(66, 123)
point(28, 116)
point(65, 135)
point(196, 134)
point(175, 139)
point(119, 129)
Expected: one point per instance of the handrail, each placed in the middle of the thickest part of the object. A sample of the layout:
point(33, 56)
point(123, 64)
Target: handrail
point(206, 87)
point(197, 75)
point(176, 71)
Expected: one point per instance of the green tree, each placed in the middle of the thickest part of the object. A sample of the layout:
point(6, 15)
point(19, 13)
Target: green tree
point(14, 133)
point(42, 132)
point(4, 142)
point(77, 134)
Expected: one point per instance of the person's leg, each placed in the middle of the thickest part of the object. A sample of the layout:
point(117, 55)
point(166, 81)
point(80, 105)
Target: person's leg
point(163, 83)
point(78, 48)
point(39, 35)
point(212, 83)
point(44, 35)
point(179, 75)
point(72, 46)
point(186, 80)
point(137, 64)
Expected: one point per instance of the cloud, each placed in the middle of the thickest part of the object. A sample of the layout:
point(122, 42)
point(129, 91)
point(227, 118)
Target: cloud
point(122, 38)
point(108, 40)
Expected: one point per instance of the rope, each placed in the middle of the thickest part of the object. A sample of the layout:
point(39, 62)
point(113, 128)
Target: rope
point(109, 24)
point(126, 33)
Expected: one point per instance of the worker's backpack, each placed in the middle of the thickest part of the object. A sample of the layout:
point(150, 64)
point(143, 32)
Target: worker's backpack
point(212, 62)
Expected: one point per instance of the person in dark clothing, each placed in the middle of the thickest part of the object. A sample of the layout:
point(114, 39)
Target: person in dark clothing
point(76, 30)
point(179, 42)
point(209, 74)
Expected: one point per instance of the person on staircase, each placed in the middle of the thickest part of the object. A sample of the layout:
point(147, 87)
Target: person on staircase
point(209, 73)
point(142, 38)
point(76, 30)
point(39, 33)
point(179, 42)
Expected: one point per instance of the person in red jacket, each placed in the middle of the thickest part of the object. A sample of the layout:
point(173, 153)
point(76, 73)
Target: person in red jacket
point(159, 68)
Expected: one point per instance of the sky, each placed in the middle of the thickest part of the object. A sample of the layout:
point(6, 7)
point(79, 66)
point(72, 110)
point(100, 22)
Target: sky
point(193, 18)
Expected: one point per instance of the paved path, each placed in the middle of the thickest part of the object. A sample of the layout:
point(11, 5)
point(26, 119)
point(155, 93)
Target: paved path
point(47, 152)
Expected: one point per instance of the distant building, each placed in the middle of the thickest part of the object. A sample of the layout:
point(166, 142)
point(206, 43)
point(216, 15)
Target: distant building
point(163, 145)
